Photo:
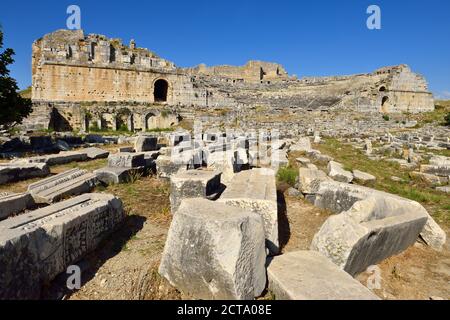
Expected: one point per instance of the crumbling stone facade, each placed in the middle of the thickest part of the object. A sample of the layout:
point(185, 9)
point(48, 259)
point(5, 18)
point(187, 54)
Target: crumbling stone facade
point(82, 82)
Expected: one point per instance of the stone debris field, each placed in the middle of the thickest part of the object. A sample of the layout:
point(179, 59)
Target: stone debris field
point(225, 234)
point(133, 178)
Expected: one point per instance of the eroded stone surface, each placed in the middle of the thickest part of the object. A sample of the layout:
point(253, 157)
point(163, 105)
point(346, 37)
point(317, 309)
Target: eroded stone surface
point(215, 251)
point(37, 246)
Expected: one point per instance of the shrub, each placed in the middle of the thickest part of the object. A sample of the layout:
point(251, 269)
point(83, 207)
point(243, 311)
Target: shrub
point(288, 175)
point(447, 119)
point(386, 117)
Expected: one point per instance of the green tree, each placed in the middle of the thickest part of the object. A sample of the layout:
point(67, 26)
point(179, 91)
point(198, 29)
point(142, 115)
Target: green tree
point(13, 108)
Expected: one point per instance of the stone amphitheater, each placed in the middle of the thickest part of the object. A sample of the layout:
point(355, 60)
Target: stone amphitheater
point(80, 81)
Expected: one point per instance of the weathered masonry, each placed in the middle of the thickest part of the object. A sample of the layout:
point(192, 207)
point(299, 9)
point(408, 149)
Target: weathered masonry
point(93, 82)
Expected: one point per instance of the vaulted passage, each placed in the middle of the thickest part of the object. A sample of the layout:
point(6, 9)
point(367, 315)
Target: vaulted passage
point(160, 91)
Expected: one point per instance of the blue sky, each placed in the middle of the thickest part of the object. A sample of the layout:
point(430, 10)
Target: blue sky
point(310, 38)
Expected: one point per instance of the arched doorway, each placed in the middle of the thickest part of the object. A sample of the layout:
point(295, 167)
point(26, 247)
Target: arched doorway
point(385, 104)
point(160, 90)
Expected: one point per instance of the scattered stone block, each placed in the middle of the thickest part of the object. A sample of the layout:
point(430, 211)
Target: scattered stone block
point(303, 144)
point(145, 143)
point(337, 172)
point(117, 175)
point(62, 145)
point(37, 246)
point(255, 190)
point(11, 172)
point(126, 160)
point(363, 177)
point(372, 230)
point(215, 251)
point(193, 184)
point(55, 159)
point(310, 179)
point(94, 153)
point(69, 183)
point(429, 178)
point(308, 275)
point(438, 170)
point(12, 203)
point(338, 197)
point(445, 189)
point(165, 167)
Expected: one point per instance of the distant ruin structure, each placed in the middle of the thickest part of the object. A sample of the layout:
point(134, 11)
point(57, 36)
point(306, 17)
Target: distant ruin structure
point(87, 82)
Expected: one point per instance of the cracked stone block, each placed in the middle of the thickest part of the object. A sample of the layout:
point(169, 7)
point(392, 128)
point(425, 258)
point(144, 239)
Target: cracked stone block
point(308, 275)
point(255, 190)
point(69, 183)
point(215, 251)
point(193, 184)
point(37, 246)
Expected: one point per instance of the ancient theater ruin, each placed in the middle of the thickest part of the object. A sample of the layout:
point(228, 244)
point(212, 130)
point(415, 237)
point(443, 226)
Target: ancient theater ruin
point(83, 82)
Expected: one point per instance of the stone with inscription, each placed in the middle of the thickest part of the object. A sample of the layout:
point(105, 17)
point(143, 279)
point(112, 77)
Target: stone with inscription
point(35, 247)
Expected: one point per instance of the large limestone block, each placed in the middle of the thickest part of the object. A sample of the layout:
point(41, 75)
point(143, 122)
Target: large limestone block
point(372, 230)
point(308, 275)
point(12, 203)
point(193, 184)
point(310, 179)
point(145, 143)
point(10, 172)
point(69, 183)
point(215, 251)
point(339, 197)
point(37, 246)
point(255, 190)
point(337, 172)
point(126, 160)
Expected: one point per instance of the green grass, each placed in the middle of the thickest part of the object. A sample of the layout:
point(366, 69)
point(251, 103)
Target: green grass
point(437, 203)
point(288, 175)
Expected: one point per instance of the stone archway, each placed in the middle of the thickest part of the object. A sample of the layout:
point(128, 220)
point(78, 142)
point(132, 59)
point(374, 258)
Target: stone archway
point(160, 90)
point(385, 104)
